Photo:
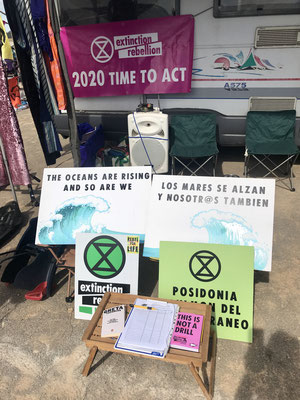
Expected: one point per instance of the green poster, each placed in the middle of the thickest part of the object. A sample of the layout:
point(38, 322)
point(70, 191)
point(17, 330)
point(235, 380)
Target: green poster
point(221, 275)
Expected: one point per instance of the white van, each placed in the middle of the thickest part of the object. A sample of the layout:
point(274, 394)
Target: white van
point(243, 49)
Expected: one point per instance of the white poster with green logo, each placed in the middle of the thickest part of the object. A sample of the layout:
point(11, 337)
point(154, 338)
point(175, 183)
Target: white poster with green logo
point(221, 210)
point(104, 263)
point(220, 275)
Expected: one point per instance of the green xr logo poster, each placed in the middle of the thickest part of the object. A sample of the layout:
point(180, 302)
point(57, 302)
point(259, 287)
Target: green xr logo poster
point(104, 257)
point(220, 275)
point(104, 263)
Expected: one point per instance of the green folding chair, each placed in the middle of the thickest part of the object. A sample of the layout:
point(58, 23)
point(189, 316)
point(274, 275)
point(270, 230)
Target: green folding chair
point(270, 143)
point(193, 143)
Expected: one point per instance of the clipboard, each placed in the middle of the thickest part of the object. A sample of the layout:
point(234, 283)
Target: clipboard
point(148, 330)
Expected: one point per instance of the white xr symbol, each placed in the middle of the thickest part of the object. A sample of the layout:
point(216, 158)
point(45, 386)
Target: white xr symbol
point(102, 49)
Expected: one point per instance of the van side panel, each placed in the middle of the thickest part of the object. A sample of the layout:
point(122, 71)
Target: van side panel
point(227, 70)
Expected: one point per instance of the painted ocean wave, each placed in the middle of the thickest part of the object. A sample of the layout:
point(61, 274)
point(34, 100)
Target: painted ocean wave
point(80, 214)
point(228, 228)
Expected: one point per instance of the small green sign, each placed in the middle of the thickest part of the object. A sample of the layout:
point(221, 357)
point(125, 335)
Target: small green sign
point(104, 257)
point(86, 310)
point(221, 275)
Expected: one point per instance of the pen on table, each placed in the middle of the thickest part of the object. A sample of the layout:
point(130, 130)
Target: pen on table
point(143, 307)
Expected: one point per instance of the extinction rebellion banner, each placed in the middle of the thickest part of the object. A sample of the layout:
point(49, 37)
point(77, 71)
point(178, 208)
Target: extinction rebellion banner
point(130, 57)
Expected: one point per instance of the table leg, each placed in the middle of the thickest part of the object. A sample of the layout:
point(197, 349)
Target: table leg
point(89, 361)
point(199, 381)
point(212, 363)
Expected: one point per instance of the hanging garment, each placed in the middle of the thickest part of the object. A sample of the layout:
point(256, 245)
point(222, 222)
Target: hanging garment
point(38, 10)
point(11, 139)
point(72, 119)
point(34, 76)
point(47, 113)
point(14, 91)
point(55, 68)
point(6, 51)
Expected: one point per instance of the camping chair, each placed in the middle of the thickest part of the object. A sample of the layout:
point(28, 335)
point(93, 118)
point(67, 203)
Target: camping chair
point(193, 142)
point(65, 261)
point(270, 135)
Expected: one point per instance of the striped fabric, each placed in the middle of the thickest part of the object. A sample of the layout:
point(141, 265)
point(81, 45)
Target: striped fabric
point(39, 71)
point(55, 68)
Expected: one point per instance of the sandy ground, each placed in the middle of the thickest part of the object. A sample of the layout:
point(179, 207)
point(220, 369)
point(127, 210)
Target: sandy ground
point(42, 354)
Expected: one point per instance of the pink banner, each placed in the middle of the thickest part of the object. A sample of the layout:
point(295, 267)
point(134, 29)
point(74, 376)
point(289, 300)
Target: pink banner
point(130, 57)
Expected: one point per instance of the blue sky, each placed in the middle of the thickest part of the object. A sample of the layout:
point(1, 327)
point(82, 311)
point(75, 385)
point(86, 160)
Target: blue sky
point(1, 6)
point(3, 16)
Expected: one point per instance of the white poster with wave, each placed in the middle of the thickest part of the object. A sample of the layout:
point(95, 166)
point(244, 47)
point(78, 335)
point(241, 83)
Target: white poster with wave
point(233, 211)
point(108, 200)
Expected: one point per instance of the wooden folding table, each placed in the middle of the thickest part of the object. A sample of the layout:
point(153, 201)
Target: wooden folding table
point(195, 360)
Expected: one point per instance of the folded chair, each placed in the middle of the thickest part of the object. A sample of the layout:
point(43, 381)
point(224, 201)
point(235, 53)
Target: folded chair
point(65, 261)
point(193, 143)
point(270, 144)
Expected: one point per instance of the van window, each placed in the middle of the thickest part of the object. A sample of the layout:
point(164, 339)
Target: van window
point(85, 12)
point(240, 8)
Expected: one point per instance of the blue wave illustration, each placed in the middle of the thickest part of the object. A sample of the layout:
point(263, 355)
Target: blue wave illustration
point(79, 214)
point(227, 228)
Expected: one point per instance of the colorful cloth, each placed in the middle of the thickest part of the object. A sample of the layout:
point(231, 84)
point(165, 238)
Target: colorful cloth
point(55, 68)
point(34, 76)
point(38, 10)
point(40, 75)
point(11, 139)
point(6, 51)
point(14, 92)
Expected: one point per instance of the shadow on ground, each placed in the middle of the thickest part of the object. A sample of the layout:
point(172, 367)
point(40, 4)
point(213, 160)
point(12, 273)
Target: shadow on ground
point(272, 368)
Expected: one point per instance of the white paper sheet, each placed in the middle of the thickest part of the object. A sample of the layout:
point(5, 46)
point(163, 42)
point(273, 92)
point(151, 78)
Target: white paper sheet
point(148, 331)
